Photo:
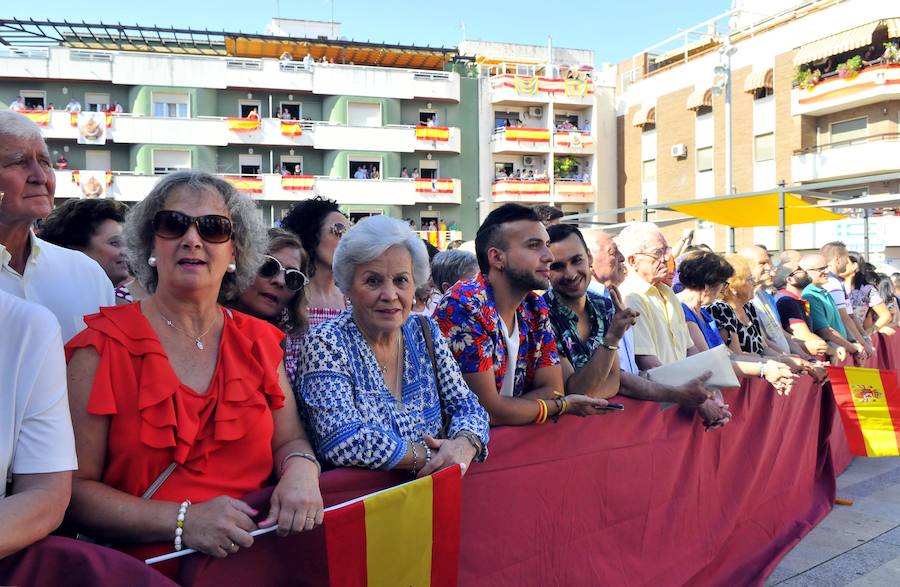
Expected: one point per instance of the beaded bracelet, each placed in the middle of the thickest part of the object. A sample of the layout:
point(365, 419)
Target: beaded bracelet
point(179, 523)
point(427, 453)
point(415, 467)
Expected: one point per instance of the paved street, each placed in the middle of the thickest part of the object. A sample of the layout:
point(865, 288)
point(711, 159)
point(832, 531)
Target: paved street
point(856, 545)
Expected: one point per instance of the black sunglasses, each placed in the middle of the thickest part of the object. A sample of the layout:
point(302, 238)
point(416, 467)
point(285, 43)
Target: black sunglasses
point(212, 228)
point(294, 279)
point(339, 229)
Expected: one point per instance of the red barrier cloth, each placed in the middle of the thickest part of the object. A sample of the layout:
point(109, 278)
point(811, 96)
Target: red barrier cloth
point(56, 561)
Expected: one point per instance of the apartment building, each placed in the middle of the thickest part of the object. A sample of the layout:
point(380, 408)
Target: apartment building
point(382, 129)
point(546, 124)
point(815, 97)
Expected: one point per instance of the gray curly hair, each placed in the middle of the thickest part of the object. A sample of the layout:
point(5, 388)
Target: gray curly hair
point(369, 239)
point(249, 233)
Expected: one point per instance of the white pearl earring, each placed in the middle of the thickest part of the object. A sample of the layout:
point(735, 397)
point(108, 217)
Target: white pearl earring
point(151, 261)
point(231, 267)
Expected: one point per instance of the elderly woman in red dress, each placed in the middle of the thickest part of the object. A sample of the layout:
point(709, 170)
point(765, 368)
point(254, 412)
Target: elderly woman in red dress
point(181, 406)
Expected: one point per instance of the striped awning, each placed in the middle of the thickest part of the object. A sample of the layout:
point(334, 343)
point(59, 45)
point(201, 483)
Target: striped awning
point(645, 115)
point(893, 27)
point(836, 44)
point(699, 97)
point(759, 78)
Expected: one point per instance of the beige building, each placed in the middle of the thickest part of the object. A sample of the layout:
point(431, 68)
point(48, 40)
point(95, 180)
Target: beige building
point(815, 97)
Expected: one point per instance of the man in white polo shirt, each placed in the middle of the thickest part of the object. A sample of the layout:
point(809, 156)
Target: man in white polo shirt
point(68, 283)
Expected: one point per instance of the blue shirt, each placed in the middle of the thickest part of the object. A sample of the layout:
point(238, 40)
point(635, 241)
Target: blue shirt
point(354, 420)
point(626, 345)
point(706, 324)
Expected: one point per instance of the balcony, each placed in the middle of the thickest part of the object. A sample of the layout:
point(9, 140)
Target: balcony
point(520, 190)
point(873, 84)
point(874, 154)
point(390, 192)
point(574, 143)
point(518, 90)
point(573, 192)
point(518, 140)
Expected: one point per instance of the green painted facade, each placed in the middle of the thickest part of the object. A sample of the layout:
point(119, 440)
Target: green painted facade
point(202, 157)
point(334, 108)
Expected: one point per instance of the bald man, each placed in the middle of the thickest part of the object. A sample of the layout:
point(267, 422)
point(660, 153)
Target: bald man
point(823, 312)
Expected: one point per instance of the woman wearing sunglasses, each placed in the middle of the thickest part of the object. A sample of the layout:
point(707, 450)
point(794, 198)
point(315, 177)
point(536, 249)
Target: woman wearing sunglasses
point(180, 406)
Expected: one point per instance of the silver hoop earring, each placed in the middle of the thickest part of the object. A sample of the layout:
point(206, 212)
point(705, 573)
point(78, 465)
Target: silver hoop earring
point(231, 268)
point(151, 261)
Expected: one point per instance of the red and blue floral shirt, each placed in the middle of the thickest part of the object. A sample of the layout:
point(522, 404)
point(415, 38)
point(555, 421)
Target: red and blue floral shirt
point(469, 319)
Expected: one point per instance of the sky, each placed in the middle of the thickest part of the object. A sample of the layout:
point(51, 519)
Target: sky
point(613, 30)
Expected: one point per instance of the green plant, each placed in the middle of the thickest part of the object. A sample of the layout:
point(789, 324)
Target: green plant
point(805, 79)
point(563, 166)
point(891, 53)
point(850, 67)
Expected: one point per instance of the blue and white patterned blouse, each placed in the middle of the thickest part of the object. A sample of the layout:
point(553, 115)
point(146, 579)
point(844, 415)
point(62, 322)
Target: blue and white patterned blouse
point(353, 418)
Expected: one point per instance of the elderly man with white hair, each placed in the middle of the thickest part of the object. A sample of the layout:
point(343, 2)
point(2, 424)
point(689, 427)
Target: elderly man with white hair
point(68, 283)
point(661, 335)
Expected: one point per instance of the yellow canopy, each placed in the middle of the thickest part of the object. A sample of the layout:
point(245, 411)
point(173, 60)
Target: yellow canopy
point(761, 210)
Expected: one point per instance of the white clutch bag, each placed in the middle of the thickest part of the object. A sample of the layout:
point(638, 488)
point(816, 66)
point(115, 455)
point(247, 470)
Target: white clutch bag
point(716, 360)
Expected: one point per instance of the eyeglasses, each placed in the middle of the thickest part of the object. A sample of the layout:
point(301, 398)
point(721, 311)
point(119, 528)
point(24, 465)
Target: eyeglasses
point(726, 283)
point(823, 269)
point(658, 255)
point(294, 279)
point(213, 228)
point(339, 229)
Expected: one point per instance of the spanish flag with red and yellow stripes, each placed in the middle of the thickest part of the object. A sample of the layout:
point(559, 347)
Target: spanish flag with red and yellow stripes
point(39, 117)
point(869, 403)
point(532, 135)
point(433, 133)
point(406, 535)
point(298, 182)
point(243, 124)
point(253, 185)
point(291, 128)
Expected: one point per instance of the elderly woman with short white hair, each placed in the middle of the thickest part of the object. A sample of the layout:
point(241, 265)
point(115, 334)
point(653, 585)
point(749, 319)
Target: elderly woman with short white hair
point(379, 387)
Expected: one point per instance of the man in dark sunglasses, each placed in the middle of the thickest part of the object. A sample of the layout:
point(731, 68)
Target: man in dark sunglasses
point(823, 312)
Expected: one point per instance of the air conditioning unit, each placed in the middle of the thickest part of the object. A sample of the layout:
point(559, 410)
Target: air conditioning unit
point(535, 111)
point(679, 150)
point(529, 161)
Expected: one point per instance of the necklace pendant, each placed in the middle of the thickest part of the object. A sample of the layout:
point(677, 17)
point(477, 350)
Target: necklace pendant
point(199, 344)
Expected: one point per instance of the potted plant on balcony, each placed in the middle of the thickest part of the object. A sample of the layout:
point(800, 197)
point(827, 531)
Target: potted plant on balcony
point(891, 54)
point(851, 67)
point(806, 79)
point(564, 166)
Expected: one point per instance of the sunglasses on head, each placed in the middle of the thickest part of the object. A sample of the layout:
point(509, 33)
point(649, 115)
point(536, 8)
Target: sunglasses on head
point(212, 228)
point(339, 229)
point(294, 279)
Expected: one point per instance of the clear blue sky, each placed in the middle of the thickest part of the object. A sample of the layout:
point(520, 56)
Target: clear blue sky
point(614, 30)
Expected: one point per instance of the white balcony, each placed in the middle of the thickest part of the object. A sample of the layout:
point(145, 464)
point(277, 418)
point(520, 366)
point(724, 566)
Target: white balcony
point(522, 90)
point(520, 190)
point(519, 140)
point(875, 154)
point(438, 139)
point(400, 139)
point(128, 187)
point(573, 192)
point(574, 143)
point(877, 83)
point(384, 82)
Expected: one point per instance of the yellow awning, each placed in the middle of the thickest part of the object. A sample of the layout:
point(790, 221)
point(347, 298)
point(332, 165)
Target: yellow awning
point(698, 98)
point(836, 44)
point(645, 115)
point(761, 78)
point(893, 27)
point(761, 210)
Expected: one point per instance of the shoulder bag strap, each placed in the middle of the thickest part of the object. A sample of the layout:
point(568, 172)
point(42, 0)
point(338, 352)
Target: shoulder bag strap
point(429, 345)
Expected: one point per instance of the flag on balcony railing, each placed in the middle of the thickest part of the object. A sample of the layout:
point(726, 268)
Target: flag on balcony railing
point(73, 118)
point(513, 187)
point(91, 127)
point(575, 140)
point(253, 185)
point(432, 133)
point(39, 117)
point(109, 119)
point(291, 128)
point(574, 188)
point(526, 85)
point(406, 535)
point(577, 87)
point(92, 183)
point(243, 124)
point(531, 135)
point(298, 182)
point(869, 403)
point(434, 186)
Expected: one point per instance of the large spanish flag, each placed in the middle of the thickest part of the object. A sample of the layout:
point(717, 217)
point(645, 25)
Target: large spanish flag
point(406, 535)
point(253, 185)
point(39, 117)
point(243, 124)
point(433, 133)
point(533, 135)
point(291, 128)
point(434, 186)
point(869, 404)
point(298, 182)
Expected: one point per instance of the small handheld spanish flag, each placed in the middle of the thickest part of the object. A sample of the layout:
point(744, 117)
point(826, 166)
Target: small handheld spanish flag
point(406, 535)
point(869, 403)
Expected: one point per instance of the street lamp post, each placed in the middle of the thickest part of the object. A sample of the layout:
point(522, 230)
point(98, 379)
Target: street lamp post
point(723, 84)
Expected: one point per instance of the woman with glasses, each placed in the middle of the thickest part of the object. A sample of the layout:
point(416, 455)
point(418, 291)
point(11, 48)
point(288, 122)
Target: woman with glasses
point(181, 406)
point(320, 225)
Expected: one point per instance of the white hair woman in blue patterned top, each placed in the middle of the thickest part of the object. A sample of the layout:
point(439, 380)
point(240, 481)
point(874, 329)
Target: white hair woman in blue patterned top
point(379, 387)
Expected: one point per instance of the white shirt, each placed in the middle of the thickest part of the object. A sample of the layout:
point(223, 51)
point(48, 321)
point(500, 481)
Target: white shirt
point(626, 344)
point(835, 288)
point(512, 353)
point(68, 283)
point(35, 427)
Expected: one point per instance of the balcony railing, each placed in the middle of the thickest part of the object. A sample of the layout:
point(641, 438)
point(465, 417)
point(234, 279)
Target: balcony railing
point(887, 136)
point(523, 86)
point(833, 93)
point(864, 156)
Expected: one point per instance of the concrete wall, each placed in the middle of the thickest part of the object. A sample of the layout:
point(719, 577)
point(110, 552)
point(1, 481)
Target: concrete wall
point(334, 108)
point(202, 158)
point(9, 91)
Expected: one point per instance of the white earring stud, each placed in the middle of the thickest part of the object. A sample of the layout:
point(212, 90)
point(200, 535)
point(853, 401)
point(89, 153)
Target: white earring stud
point(151, 261)
point(231, 267)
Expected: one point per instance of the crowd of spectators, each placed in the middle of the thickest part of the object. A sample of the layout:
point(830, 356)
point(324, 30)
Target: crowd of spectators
point(231, 357)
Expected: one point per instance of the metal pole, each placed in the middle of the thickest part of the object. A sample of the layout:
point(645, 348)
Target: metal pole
point(866, 233)
point(782, 220)
point(645, 214)
point(728, 162)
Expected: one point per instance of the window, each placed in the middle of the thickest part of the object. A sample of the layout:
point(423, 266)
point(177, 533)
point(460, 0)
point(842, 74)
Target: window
point(363, 114)
point(250, 164)
point(363, 168)
point(247, 105)
point(849, 130)
point(172, 105)
point(357, 215)
point(292, 164)
point(648, 171)
point(428, 115)
point(704, 159)
point(96, 159)
point(502, 118)
point(503, 169)
point(429, 169)
point(629, 77)
point(704, 110)
point(168, 160)
point(34, 99)
point(760, 93)
point(764, 147)
point(96, 102)
point(294, 110)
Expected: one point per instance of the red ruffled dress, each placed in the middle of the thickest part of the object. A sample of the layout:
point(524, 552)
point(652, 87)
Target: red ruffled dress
point(221, 440)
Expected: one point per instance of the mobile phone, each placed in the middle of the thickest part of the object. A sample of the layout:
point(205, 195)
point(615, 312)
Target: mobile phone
point(613, 406)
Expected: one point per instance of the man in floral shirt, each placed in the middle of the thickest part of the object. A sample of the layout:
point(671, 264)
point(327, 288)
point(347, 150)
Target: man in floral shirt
point(497, 316)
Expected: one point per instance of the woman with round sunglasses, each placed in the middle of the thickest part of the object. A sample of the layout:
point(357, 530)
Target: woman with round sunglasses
point(180, 406)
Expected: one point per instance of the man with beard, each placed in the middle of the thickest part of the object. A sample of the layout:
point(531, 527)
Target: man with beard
point(499, 329)
point(793, 310)
point(823, 311)
point(588, 327)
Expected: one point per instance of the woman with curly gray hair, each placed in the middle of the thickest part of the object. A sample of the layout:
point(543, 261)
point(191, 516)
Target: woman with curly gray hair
point(379, 387)
point(178, 401)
